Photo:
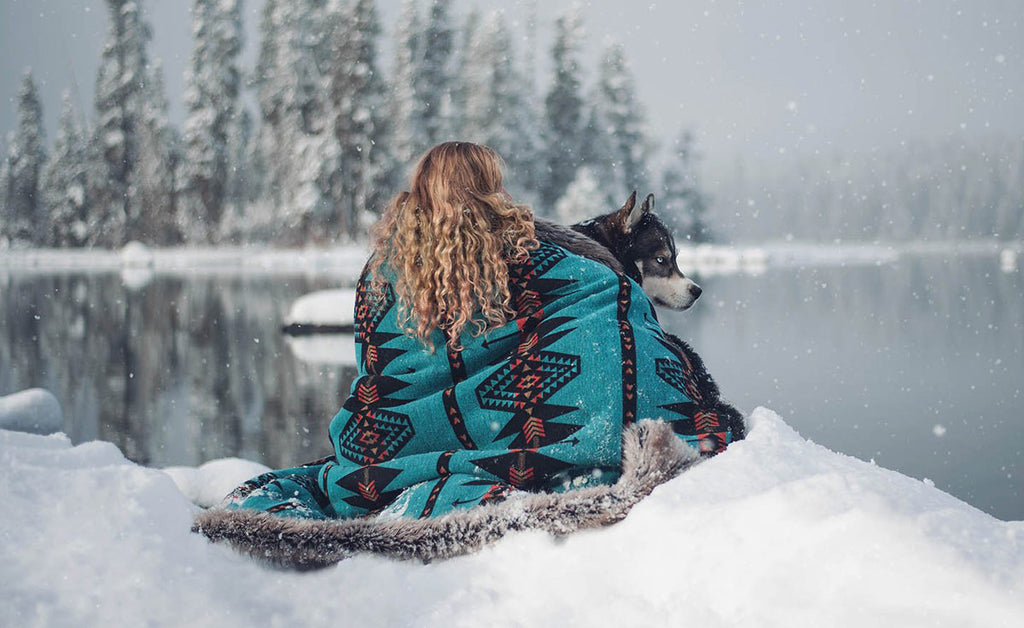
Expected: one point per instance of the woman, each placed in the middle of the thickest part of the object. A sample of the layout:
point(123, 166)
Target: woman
point(489, 362)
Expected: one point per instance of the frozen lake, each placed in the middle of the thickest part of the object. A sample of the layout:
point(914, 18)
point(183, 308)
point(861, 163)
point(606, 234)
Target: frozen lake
point(916, 362)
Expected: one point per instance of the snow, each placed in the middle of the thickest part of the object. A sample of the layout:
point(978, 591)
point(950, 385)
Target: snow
point(577, 204)
point(34, 410)
point(324, 307)
point(207, 484)
point(343, 262)
point(338, 349)
point(724, 259)
point(136, 255)
point(1008, 260)
point(777, 531)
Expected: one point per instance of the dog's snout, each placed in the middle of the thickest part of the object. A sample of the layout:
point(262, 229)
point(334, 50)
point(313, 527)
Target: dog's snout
point(695, 291)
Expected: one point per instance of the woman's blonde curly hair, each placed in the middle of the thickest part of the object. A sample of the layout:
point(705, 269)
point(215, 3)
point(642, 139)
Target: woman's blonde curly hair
point(448, 241)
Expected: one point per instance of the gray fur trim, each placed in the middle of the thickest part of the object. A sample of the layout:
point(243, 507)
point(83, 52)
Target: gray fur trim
point(651, 455)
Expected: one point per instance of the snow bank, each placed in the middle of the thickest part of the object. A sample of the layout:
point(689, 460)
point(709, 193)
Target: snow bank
point(710, 259)
point(1008, 260)
point(714, 259)
point(775, 532)
point(207, 484)
point(34, 410)
point(336, 349)
point(324, 307)
point(136, 255)
point(342, 262)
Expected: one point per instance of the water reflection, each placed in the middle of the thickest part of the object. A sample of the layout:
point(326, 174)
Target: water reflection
point(918, 365)
point(175, 371)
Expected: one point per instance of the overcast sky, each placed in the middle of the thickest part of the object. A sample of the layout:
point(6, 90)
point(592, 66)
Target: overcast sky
point(758, 80)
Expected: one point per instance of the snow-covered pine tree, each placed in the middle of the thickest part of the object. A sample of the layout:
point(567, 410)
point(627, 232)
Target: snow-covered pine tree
point(530, 45)
point(477, 79)
point(258, 222)
point(114, 144)
point(406, 137)
point(155, 219)
point(1010, 215)
point(580, 199)
point(619, 117)
point(423, 94)
point(530, 170)
point(26, 158)
point(597, 153)
point(64, 181)
point(244, 184)
point(463, 66)
point(563, 112)
point(357, 100)
point(683, 205)
point(433, 80)
point(298, 148)
point(4, 184)
point(126, 101)
point(497, 110)
point(212, 87)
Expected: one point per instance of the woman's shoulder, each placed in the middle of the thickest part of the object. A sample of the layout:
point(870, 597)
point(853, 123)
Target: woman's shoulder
point(375, 270)
point(575, 243)
point(553, 260)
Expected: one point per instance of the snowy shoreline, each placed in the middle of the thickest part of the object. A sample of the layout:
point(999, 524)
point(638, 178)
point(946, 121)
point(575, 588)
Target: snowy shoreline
point(212, 260)
point(348, 259)
point(776, 531)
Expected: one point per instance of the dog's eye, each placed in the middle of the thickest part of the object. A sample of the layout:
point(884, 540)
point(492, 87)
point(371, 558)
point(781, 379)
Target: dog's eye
point(660, 260)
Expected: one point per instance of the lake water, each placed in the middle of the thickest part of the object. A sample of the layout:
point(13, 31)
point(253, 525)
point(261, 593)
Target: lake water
point(917, 364)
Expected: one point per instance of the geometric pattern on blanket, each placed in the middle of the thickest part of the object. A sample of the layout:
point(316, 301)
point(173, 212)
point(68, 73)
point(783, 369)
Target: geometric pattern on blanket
point(651, 455)
point(539, 404)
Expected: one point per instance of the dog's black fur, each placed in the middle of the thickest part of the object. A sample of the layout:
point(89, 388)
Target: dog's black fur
point(642, 247)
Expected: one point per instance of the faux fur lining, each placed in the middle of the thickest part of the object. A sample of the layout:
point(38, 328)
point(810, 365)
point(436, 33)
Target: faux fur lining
point(651, 455)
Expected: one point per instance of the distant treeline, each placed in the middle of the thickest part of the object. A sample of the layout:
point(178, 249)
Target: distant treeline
point(333, 136)
point(941, 190)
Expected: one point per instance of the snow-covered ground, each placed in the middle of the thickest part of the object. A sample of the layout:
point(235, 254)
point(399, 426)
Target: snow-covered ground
point(718, 259)
point(34, 410)
point(138, 259)
point(135, 259)
point(777, 531)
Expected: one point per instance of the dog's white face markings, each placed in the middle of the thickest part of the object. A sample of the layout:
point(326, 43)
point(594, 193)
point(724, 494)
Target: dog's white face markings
point(675, 292)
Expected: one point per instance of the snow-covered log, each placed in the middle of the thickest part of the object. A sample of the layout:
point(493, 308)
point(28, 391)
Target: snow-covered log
point(322, 312)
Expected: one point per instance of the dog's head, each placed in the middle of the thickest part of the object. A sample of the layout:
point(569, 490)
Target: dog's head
point(644, 243)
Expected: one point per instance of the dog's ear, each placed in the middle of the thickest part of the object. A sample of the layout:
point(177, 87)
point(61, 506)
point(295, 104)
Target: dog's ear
point(628, 216)
point(648, 204)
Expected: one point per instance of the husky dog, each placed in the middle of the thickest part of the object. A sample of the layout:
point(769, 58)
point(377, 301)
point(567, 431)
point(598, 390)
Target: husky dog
point(633, 241)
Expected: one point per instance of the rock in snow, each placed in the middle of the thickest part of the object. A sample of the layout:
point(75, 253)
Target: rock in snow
point(34, 410)
point(777, 531)
point(207, 484)
point(323, 307)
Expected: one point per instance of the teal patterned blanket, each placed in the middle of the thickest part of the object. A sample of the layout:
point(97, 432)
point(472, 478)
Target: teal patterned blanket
point(539, 404)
